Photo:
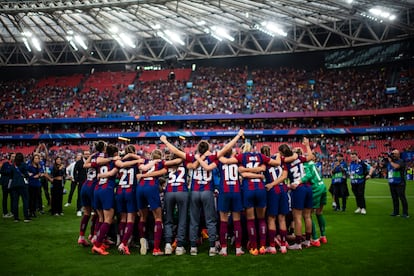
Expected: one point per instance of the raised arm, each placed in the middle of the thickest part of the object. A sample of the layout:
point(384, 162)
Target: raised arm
point(45, 150)
point(149, 165)
point(279, 180)
point(124, 164)
point(252, 175)
point(87, 163)
point(310, 156)
point(258, 169)
point(105, 160)
point(231, 160)
point(207, 167)
point(278, 161)
point(172, 148)
point(230, 144)
point(174, 162)
point(133, 156)
point(152, 174)
point(108, 174)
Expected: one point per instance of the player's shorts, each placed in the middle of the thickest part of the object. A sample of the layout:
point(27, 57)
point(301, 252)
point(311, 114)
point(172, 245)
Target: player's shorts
point(148, 195)
point(126, 200)
point(104, 198)
point(87, 194)
point(277, 201)
point(230, 202)
point(302, 197)
point(255, 198)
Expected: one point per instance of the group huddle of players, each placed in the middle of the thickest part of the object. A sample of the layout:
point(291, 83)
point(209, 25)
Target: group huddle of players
point(252, 192)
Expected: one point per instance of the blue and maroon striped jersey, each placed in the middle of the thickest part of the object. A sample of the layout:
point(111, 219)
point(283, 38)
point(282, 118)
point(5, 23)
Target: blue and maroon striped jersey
point(201, 179)
point(272, 173)
point(252, 160)
point(177, 178)
point(92, 172)
point(295, 169)
point(152, 181)
point(110, 181)
point(127, 176)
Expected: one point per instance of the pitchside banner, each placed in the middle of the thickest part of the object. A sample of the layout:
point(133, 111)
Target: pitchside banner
point(206, 134)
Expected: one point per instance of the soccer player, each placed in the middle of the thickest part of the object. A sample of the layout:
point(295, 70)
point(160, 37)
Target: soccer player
point(277, 203)
point(229, 199)
point(125, 198)
point(87, 193)
point(104, 199)
point(176, 193)
point(148, 194)
point(254, 195)
point(104, 195)
point(319, 199)
point(301, 193)
point(202, 190)
point(359, 171)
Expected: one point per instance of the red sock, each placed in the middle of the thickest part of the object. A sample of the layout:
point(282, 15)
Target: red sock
point(157, 234)
point(121, 229)
point(98, 225)
point(102, 233)
point(251, 228)
point(84, 225)
point(129, 228)
point(237, 233)
point(94, 219)
point(283, 234)
point(271, 235)
point(223, 233)
point(262, 232)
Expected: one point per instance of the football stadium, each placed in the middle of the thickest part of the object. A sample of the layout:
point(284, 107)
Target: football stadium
point(157, 137)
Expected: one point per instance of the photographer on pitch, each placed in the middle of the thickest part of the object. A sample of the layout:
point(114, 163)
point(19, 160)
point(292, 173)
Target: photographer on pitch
point(395, 167)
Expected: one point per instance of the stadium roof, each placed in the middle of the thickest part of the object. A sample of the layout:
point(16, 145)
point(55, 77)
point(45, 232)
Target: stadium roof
point(113, 31)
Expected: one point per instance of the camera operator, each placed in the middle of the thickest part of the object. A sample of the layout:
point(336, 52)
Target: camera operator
point(396, 179)
point(339, 185)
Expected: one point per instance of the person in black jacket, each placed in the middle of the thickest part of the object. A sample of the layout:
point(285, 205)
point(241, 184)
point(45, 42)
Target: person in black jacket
point(79, 177)
point(5, 178)
point(19, 187)
point(57, 177)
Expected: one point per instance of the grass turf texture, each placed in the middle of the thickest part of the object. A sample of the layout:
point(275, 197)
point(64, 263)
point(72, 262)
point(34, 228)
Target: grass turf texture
point(374, 244)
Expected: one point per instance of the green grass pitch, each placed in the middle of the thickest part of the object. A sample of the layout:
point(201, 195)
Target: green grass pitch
point(374, 244)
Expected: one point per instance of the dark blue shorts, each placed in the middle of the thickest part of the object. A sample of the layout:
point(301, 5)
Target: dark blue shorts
point(126, 201)
point(230, 202)
point(255, 198)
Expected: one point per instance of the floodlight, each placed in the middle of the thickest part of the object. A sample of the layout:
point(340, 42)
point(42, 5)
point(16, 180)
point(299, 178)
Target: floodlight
point(72, 43)
point(36, 44)
point(381, 13)
point(26, 43)
point(81, 42)
point(171, 37)
point(174, 37)
point(220, 33)
point(271, 28)
point(127, 40)
point(163, 36)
